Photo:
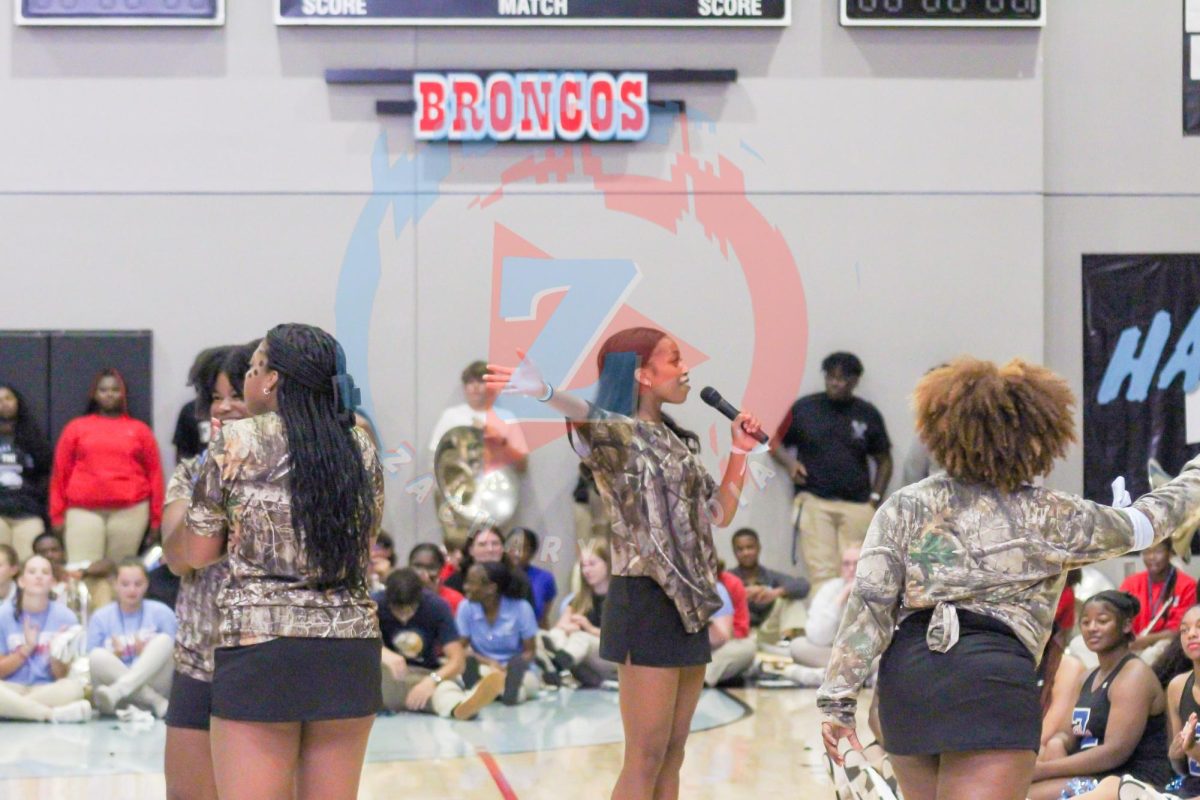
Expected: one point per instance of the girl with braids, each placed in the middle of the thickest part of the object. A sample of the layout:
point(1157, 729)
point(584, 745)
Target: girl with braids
point(1119, 725)
point(188, 757)
point(959, 579)
point(25, 459)
point(662, 504)
point(295, 493)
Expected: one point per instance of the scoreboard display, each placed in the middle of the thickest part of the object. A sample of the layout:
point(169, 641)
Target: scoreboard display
point(713, 13)
point(944, 13)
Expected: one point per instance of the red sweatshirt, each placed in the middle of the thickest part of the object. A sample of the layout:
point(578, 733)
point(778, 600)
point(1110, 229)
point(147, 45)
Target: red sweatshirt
point(741, 607)
point(108, 463)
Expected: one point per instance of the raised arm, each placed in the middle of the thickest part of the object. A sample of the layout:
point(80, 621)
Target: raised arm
point(526, 379)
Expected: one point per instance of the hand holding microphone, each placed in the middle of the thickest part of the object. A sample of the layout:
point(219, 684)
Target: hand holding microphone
point(746, 430)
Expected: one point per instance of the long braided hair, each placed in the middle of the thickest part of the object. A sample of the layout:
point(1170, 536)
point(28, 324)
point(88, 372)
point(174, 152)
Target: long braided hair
point(333, 502)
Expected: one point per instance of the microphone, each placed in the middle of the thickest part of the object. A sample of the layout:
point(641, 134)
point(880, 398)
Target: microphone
point(711, 396)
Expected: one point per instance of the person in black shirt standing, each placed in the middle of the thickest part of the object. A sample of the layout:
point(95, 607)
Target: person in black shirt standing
point(835, 435)
point(423, 656)
point(25, 459)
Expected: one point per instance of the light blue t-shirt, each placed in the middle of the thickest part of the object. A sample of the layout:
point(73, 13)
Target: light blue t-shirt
point(49, 623)
point(505, 639)
point(726, 609)
point(119, 633)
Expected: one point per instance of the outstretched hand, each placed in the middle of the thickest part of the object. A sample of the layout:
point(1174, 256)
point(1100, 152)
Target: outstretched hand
point(832, 733)
point(524, 379)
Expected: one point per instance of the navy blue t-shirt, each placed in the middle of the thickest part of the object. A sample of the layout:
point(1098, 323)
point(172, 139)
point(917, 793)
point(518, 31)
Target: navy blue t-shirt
point(421, 639)
point(832, 440)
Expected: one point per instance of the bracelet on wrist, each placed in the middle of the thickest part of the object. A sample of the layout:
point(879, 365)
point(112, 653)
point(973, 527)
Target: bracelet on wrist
point(549, 393)
point(437, 679)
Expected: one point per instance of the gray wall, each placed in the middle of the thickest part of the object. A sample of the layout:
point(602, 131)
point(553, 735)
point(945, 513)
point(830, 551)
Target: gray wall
point(207, 184)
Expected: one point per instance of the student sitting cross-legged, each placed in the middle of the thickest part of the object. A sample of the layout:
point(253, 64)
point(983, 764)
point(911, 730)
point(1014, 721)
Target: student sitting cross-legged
point(423, 657)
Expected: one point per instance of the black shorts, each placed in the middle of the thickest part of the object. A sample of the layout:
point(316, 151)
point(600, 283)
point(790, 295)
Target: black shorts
point(640, 625)
point(298, 680)
point(981, 695)
point(191, 703)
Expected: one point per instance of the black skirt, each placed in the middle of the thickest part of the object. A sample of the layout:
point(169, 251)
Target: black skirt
point(191, 703)
point(981, 695)
point(641, 626)
point(298, 680)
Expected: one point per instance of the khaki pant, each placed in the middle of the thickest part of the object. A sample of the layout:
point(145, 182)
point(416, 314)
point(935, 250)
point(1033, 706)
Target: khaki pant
point(827, 528)
point(36, 703)
point(446, 696)
point(146, 682)
point(93, 534)
point(807, 654)
point(584, 648)
point(787, 616)
point(730, 660)
point(591, 519)
point(19, 533)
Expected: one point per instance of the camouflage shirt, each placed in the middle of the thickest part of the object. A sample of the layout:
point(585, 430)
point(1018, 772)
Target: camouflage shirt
point(656, 492)
point(944, 544)
point(242, 493)
point(196, 605)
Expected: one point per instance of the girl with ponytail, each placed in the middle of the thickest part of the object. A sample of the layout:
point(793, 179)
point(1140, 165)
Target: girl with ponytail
point(663, 504)
point(295, 495)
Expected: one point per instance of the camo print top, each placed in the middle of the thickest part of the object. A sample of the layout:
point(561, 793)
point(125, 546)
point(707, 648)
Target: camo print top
point(242, 493)
point(943, 544)
point(656, 492)
point(196, 605)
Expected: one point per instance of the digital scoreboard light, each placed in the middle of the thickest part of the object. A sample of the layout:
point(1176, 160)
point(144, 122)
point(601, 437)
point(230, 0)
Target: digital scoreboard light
point(944, 13)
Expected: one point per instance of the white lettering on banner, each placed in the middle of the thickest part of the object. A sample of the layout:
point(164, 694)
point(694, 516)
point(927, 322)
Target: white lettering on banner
point(731, 8)
point(533, 8)
point(334, 8)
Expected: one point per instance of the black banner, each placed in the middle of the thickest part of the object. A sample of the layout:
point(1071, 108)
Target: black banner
point(1141, 365)
point(533, 12)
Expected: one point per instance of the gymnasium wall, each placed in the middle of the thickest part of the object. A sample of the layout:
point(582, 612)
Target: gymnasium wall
point(206, 184)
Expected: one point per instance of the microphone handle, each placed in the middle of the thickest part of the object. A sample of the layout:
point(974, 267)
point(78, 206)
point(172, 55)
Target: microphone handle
point(728, 410)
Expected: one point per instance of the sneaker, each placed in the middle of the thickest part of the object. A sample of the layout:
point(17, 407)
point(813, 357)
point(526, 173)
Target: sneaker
point(1133, 789)
point(79, 711)
point(610, 685)
point(487, 690)
point(809, 677)
point(106, 699)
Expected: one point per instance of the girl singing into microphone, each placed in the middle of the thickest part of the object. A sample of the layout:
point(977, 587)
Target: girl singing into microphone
point(663, 505)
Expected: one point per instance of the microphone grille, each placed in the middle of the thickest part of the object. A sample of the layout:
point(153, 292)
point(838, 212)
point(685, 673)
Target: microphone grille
point(710, 395)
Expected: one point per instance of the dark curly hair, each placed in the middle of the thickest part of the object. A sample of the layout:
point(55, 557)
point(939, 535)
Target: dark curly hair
point(333, 501)
point(998, 426)
point(28, 436)
point(1173, 660)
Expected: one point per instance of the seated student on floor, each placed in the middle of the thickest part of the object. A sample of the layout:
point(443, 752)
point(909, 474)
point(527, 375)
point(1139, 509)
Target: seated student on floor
point(774, 598)
point(499, 627)
point(95, 577)
point(574, 641)
point(10, 567)
point(1165, 593)
point(383, 561)
point(1119, 724)
point(429, 561)
point(484, 545)
point(732, 656)
point(522, 545)
point(812, 650)
point(423, 656)
point(33, 682)
point(131, 644)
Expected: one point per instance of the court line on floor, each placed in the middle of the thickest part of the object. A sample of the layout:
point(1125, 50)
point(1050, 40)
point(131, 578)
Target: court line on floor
point(493, 768)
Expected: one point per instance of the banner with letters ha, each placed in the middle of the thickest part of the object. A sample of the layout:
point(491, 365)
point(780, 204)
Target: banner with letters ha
point(534, 12)
point(127, 13)
point(1141, 367)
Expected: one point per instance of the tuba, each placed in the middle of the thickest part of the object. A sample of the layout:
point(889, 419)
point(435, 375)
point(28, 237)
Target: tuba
point(470, 496)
